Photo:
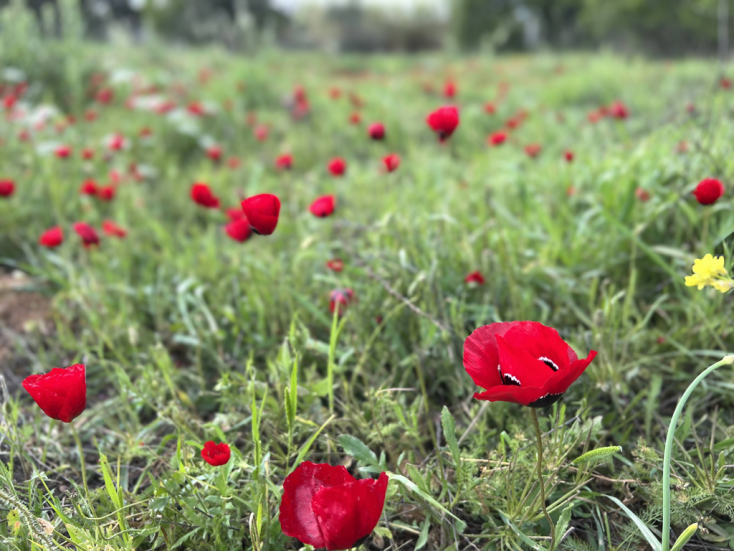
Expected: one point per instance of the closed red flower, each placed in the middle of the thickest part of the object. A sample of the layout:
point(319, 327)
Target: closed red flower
point(475, 277)
point(216, 454)
point(618, 110)
point(376, 131)
point(261, 133)
point(449, 89)
point(337, 166)
point(326, 507)
point(284, 162)
point(113, 230)
point(443, 121)
point(214, 153)
point(568, 155)
point(51, 238)
point(63, 151)
point(262, 212)
point(89, 187)
point(497, 138)
point(116, 142)
point(335, 265)
point(523, 362)
point(708, 191)
point(239, 230)
point(323, 206)
point(533, 150)
point(60, 393)
point(202, 195)
point(7, 188)
point(87, 233)
point(642, 194)
point(106, 193)
point(391, 162)
point(339, 299)
point(105, 95)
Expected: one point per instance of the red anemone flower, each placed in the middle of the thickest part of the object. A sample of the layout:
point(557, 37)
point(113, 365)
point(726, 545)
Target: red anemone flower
point(475, 277)
point(113, 230)
point(642, 194)
point(63, 151)
point(105, 95)
point(106, 193)
point(376, 131)
point(214, 153)
point(323, 206)
point(261, 133)
point(449, 89)
point(239, 230)
point(391, 162)
point(708, 191)
point(533, 150)
point(61, 393)
point(87, 233)
point(568, 155)
point(325, 506)
point(725, 83)
point(7, 188)
point(196, 108)
point(355, 118)
point(337, 166)
point(51, 238)
point(523, 362)
point(443, 121)
point(202, 195)
point(618, 110)
point(335, 93)
point(116, 142)
point(339, 299)
point(335, 265)
point(490, 108)
point(497, 138)
point(145, 132)
point(216, 454)
point(284, 162)
point(87, 154)
point(234, 213)
point(234, 163)
point(262, 211)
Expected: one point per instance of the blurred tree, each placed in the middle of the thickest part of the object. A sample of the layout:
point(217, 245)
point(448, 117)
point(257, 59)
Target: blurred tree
point(480, 21)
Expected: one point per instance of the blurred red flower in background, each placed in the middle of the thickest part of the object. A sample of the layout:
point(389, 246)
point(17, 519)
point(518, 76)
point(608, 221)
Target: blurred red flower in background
point(708, 191)
point(51, 238)
point(444, 121)
point(262, 211)
point(216, 454)
point(202, 195)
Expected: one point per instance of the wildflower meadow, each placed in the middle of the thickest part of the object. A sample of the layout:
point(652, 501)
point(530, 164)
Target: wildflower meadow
point(299, 301)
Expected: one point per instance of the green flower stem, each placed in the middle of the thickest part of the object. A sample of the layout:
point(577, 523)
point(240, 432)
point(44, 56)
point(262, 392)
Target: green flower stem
point(539, 436)
point(727, 360)
point(81, 459)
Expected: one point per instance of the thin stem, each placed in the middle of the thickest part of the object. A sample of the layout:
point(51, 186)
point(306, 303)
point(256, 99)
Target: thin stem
point(540, 478)
point(670, 438)
point(81, 459)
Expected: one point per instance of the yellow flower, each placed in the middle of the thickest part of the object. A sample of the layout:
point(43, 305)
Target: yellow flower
point(709, 266)
point(722, 285)
point(698, 280)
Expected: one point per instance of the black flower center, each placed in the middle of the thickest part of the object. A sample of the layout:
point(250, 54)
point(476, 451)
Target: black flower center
point(545, 401)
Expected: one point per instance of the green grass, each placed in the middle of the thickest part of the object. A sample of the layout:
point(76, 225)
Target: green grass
point(188, 336)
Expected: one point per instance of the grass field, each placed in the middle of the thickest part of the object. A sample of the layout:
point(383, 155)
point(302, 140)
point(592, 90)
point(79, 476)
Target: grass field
point(189, 336)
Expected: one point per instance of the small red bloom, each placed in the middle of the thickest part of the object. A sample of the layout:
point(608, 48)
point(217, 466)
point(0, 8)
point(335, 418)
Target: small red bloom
point(116, 142)
point(63, 151)
point(642, 194)
point(337, 166)
point(90, 115)
point(87, 233)
point(376, 131)
point(113, 230)
point(262, 211)
point(105, 95)
point(533, 150)
point(239, 230)
point(51, 238)
point(145, 132)
point(89, 187)
point(323, 206)
point(234, 163)
point(335, 265)
point(443, 121)
point(682, 147)
point(497, 138)
point(568, 155)
point(449, 89)
point(216, 454)
point(339, 299)
point(325, 506)
point(335, 93)
point(513, 123)
point(106, 193)
point(60, 393)
point(284, 162)
point(196, 108)
point(391, 162)
point(490, 108)
point(475, 277)
point(725, 83)
point(202, 195)
point(523, 362)
point(87, 154)
point(7, 187)
point(618, 110)
point(214, 153)
point(355, 118)
point(708, 191)
point(261, 133)
point(691, 108)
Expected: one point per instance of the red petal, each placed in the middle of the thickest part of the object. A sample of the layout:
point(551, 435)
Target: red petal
point(510, 393)
point(481, 355)
point(262, 211)
point(559, 382)
point(541, 341)
point(522, 366)
point(60, 393)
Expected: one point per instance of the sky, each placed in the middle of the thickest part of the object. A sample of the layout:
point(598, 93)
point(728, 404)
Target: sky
point(408, 5)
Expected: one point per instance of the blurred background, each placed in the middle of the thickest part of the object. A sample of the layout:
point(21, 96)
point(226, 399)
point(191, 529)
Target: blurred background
point(655, 27)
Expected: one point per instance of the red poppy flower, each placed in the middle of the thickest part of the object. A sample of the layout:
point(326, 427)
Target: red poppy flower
point(202, 195)
point(568, 155)
point(63, 151)
point(337, 166)
point(89, 187)
point(106, 193)
point(87, 233)
point(523, 362)
point(355, 118)
point(642, 194)
point(443, 121)
point(725, 83)
point(24, 135)
point(391, 162)
point(618, 110)
point(449, 89)
point(87, 154)
point(261, 133)
point(513, 123)
point(7, 187)
point(691, 108)
point(335, 265)
point(376, 130)
point(339, 299)
point(323, 206)
point(234, 213)
point(708, 191)
point(299, 93)
point(51, 238)
point(9, 102)
point(490, 108)
point(533, 150)
point(90, 115)
point(113, 230)
point(145, 132)
point(60, 393)
point(335, 93)
point(497, 138)
point(262, 211)
point(284, 162)
point(475, 277)
point(682, 147)
point(105, 95)
point(216, 454)
point(234, 163)
point(214, 153)
point(239, 230)
point(325, 506)
point(196, 108)
point(116, 142)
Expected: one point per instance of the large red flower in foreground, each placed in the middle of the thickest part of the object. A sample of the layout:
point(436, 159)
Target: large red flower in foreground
point(216, 454)
point(708, 191)
point(262, 211)
point(443, 121)
point(325, 506)
point(523, 362)
point(60, 393)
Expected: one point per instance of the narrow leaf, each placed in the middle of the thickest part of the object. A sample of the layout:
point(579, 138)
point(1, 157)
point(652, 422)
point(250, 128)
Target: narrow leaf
point(644, 530)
